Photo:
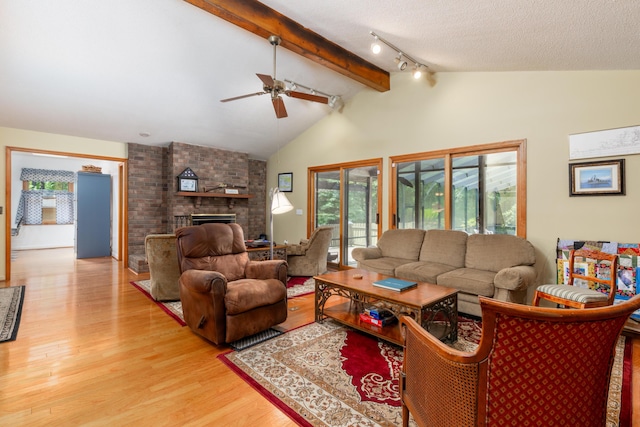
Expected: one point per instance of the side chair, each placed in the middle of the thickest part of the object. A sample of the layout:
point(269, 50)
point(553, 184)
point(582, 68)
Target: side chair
point(534, 366)
point(569, 295)
point(309, 258)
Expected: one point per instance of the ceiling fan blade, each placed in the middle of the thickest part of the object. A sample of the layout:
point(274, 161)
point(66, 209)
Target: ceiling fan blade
point(267, 80)
point(278, 106)
point(242, 96)
point(308, 97)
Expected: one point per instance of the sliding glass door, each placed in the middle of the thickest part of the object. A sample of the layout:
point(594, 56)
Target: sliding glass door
point(327, 208)
point(347, 198)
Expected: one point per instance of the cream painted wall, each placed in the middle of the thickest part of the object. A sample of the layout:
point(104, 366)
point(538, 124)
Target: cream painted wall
point(52, 142)
point(464, 109)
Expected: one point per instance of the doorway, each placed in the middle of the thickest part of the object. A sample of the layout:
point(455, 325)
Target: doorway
point(16, 159)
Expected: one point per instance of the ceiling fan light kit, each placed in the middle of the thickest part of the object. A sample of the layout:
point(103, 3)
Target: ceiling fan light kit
point(399, 60)
point(271, 85)
point(334, 101)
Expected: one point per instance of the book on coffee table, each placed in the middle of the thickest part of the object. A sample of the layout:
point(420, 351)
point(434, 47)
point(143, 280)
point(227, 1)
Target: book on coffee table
point(395, 284)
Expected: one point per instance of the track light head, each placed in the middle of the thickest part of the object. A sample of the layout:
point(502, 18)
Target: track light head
point(376, 47)
point(417, 71)
point(336, 102)
point(400, 63)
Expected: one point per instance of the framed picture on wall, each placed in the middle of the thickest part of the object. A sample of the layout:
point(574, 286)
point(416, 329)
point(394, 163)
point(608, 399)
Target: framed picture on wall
point(605, 178)
point(285, 182)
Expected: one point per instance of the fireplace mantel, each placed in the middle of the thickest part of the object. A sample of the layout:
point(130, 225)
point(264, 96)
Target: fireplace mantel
point(198, 197)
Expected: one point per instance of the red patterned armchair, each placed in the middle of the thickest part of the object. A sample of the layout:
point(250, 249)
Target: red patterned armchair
point(224, 295)
point(534, 366)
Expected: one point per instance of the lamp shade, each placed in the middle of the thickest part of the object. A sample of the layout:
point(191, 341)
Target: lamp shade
point(279, 203)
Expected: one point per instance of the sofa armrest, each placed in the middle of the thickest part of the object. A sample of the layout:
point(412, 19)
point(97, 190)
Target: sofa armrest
point(517, 278)
point(271, 269)
point(361, 254)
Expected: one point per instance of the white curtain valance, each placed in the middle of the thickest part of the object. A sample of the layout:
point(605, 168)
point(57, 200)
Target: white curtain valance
point(31, 203)
point(46, 175)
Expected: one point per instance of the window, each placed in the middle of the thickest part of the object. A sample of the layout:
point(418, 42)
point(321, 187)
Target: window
point(478, 189)
point(47, 197)
point(48, 185)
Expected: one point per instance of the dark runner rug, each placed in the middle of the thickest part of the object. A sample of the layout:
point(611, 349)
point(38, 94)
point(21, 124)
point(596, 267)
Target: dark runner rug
point(11, 300)
point(329, 375)
point(250, 341)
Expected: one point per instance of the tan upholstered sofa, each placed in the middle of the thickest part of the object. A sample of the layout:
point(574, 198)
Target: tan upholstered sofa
point(492, 265)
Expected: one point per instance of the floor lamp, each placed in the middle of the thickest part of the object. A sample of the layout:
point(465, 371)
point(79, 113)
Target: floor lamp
point(279, 205)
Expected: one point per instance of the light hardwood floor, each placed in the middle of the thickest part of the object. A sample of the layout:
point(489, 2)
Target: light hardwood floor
point(93, 350)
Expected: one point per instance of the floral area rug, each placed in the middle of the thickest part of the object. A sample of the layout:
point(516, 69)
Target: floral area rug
point(330, 375)
point(296, 286)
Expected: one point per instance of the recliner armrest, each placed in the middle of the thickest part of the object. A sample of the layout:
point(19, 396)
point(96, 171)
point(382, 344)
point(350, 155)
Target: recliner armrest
point(515, 278)
point(204, 281)
point(360, 254)
point(271, 269)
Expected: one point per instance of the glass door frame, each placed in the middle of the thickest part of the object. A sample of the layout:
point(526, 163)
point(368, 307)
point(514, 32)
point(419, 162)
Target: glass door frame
point(342, 261)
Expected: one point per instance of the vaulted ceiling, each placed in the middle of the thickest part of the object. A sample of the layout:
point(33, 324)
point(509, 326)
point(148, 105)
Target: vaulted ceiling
point(118, 69)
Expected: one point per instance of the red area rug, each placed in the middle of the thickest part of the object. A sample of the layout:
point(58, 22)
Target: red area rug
point(172, 308)
point(329, 375)
point(298, 286)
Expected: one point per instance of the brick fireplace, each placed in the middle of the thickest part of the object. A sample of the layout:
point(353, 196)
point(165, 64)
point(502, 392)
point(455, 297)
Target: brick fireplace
point(153, 203)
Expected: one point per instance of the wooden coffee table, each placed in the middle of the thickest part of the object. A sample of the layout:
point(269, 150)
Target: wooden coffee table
point(434, 307)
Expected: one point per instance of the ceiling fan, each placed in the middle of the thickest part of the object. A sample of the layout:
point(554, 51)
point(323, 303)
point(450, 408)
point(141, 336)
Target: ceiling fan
point(276, 88)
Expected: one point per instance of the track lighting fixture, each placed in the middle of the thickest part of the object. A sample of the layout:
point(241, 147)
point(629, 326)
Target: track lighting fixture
point(335, 101)
point(399, 60)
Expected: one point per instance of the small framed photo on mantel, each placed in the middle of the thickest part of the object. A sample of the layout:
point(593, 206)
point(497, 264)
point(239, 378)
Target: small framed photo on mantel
point(604, 178)
point(285, 182)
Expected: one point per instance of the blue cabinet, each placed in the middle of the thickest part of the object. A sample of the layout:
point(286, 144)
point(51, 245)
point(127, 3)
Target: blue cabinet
point(93, 215)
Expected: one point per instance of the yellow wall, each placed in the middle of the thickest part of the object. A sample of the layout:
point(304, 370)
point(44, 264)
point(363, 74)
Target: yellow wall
point(51, 142)
point(464, 109)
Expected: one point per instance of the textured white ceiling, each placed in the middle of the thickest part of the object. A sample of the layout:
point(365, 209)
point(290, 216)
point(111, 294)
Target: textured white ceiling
point(111, 70)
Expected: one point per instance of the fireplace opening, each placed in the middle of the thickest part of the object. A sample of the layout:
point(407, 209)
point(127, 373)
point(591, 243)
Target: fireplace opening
point(198, 219)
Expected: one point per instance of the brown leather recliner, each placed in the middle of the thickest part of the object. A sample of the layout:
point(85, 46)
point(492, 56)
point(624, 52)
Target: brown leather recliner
point(224, 295)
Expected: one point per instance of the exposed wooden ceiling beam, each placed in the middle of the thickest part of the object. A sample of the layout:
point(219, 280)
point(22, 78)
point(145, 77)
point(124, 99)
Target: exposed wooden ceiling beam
point(259, 19)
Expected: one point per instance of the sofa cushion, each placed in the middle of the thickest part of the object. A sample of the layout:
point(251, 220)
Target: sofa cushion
point(386, 265)
point(493, 252)
point(422, 271)
point(446, 247)
point(401, 243)
point(469, 280)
